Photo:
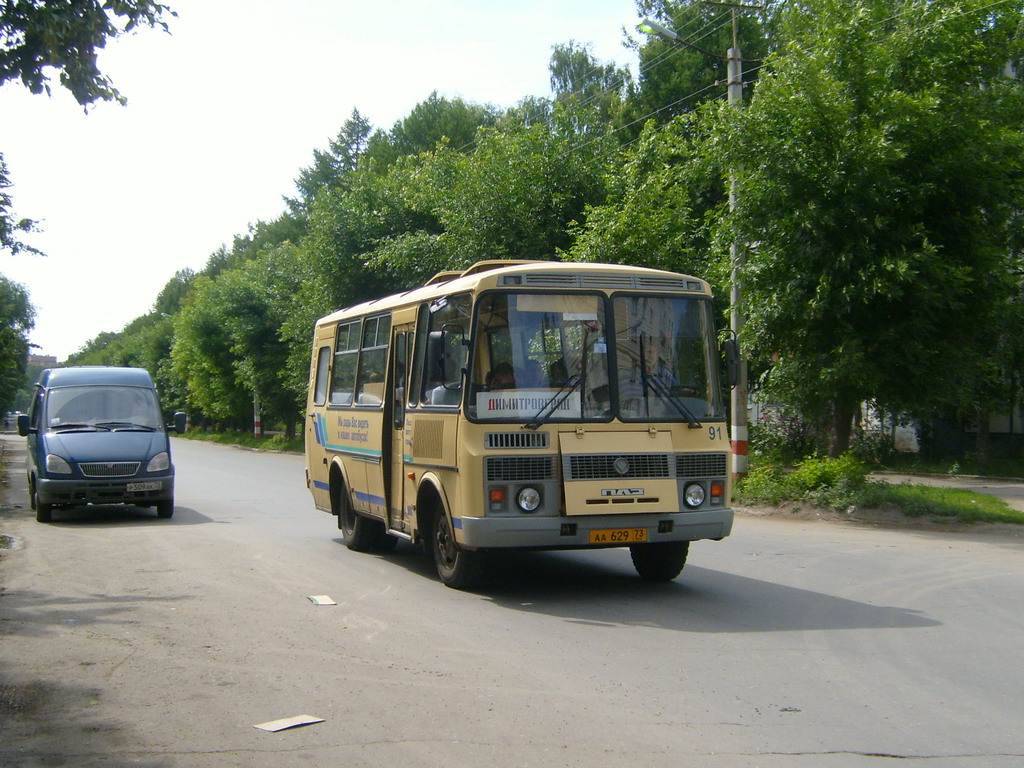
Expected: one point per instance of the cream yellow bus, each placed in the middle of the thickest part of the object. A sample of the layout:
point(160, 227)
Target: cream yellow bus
point(524, 405)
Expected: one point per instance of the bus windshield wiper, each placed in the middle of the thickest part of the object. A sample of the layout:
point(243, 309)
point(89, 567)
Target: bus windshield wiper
point(659, 389)
point(663, 392)
point(570, 386)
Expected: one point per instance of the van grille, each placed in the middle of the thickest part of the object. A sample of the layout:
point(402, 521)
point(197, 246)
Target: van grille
point(110, 468)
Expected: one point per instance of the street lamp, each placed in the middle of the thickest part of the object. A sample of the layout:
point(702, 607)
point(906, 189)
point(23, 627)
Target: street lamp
point(738, 402)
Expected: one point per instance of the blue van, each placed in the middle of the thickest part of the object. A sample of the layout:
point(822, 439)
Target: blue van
point(96, 436)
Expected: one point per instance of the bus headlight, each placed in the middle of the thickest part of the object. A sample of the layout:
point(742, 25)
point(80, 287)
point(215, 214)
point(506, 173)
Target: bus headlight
point(528, 498)
point(693, 495)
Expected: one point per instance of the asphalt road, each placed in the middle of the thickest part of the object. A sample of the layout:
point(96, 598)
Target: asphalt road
point(126, 640)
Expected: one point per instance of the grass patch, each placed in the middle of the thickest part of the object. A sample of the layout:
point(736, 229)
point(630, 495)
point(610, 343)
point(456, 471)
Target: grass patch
point(248, 440)
point(842, 483)
point(917, 500)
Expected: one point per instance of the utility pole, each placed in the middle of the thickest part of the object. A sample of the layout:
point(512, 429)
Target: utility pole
point(734, 68)
point(738, 405)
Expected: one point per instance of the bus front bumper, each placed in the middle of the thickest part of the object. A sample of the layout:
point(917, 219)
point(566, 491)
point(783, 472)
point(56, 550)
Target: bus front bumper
point(524, 532)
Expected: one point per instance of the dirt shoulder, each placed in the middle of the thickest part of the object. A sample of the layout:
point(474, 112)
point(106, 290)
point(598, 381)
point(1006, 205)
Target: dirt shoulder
point(877, 518)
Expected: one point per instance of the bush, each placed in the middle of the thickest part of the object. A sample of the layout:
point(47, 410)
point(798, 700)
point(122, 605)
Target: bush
point(825, 482)
point(873, 446)
point(782, 438)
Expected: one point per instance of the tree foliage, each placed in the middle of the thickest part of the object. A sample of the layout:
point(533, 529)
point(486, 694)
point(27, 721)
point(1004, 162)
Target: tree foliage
point(17, 318)
point(878, 168)
point(65, 35)
point(878, 162)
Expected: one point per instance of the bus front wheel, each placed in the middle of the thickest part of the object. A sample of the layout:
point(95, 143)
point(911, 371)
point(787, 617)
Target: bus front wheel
point(361, 534)
point(661, 561)
point(458, 568)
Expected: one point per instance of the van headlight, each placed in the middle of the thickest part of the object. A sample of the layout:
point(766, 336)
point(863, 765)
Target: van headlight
point(56, 465)
point(159, 463)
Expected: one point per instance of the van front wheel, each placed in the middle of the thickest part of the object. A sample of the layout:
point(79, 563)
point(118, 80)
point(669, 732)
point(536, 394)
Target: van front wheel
point(165, 508)
point(44, 512)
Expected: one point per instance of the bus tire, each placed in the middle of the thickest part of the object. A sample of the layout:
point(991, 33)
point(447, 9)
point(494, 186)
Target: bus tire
point(661, 561)
point(356, 529)
point(457, 568)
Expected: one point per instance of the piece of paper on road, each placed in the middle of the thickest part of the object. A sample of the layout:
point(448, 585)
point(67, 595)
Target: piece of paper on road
point(289, 722)
point(321, 600)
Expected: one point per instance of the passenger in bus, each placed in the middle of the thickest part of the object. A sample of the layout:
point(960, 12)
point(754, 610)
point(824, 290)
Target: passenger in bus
point(501, 377)
point(559, 374)
point(441, 395)
point(533, 375)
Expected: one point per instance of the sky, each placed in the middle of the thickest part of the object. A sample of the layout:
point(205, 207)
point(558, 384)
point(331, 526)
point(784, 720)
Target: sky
point(223, 113)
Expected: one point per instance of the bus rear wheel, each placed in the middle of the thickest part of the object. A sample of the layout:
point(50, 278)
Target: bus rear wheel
point(458, 568)
point(661, 561)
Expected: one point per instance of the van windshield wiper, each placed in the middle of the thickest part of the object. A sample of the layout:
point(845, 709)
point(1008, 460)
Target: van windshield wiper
point(570, 386)
point(69, 425)
point(125, 426)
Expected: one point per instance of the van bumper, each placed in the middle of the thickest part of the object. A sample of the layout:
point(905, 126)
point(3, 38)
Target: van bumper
point(573, 532)
point(76, 491)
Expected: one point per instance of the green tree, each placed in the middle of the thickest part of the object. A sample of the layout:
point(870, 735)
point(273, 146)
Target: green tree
point(17, 317)
point(577, 76)
point(331, 167)
point(435, 120)
point(11, 225)
point(676, 77)
point(879, 175)
point(659, 204)
point(64, 36)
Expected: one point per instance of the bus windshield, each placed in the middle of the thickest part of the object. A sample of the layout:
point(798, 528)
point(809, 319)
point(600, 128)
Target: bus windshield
point(551, 357)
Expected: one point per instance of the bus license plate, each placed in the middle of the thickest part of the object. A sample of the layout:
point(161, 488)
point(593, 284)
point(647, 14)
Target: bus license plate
point(150, 486)
point(619, 536)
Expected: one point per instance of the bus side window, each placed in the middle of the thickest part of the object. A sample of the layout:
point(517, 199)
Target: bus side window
point(323, 367)
point(346, 352)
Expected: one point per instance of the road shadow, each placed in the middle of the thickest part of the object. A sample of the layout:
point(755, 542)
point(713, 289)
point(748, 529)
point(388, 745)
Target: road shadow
point(50, 724)
point(35, 614)
point(604, 592)
point(600, 588)
point(121, 515)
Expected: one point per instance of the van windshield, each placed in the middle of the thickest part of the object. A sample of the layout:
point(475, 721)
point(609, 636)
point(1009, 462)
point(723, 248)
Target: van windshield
point(103, 407)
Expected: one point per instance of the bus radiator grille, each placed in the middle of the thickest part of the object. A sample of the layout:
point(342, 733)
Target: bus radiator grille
point(515, 469)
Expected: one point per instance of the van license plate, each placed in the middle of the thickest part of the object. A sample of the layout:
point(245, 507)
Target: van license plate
point(154, 485)
point(619, 536)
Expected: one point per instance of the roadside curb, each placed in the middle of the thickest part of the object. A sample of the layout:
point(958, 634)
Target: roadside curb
point(987, 478)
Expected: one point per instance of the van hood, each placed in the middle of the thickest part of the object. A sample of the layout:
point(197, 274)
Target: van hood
point(106, 446)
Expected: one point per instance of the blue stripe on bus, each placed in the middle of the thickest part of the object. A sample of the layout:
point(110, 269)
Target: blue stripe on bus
point(456, 522)
point(320, 486)
point(369, 498)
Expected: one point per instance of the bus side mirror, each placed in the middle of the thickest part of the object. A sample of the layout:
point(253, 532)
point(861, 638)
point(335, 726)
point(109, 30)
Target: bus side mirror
point(731, 348)
point(23, 425)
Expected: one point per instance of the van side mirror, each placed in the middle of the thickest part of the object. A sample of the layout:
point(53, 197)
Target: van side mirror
point(23, 425)
point(731, 348)
point(180, 422)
